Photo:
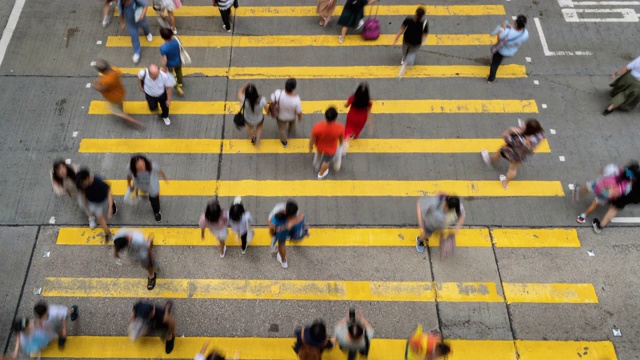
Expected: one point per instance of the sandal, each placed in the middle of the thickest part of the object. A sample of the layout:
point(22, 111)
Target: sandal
point(151, 283)
point(341, 39)
point(504, 184)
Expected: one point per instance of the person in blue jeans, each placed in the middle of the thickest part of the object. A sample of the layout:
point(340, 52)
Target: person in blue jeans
point(127, 9)
point(285, 222)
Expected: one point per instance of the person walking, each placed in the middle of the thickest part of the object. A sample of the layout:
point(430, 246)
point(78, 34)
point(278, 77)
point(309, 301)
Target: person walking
point(352, 16)
point(327, 136)
point(140, 250)
point(212, 355)
point(285, 222)
point(214, 219)
point(616, 206)
point(225, 11)
point(145, 175)
point(97, 195)
point(253, 105)
point(156, 86)
point(30, 337)
point(520, 143)
point(240, 221)
point(54, 317)
point(312, 341)
point(509, 40)
point(164, 9)
point(106, 18)
point(111, 88)
point(155, 318)
point(437, 213)
point(325, 9)
point(359, 105)
point(426, 346)
point(63, 181)
point(625, 90)
point(354, 334)
point(170, 57)
point(285, 107)
point(128, 11)
point(415, 30)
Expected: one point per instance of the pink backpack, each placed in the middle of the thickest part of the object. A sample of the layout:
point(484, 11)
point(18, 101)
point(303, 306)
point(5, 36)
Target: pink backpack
point(371, 30)
point(611, 187)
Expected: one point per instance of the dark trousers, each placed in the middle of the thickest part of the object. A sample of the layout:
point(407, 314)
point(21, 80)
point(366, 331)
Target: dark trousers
point(243, 237)
point(496, 60)
point(155, 203)
point(154, 101)
point(226, 16)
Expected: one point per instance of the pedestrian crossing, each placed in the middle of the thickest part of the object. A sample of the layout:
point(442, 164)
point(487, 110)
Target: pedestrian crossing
point(317, 290)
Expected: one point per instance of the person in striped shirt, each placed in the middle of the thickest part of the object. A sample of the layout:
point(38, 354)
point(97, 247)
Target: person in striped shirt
point(225, 11)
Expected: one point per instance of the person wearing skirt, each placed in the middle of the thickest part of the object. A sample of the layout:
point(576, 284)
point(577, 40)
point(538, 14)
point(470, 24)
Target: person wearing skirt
point(352, 16)
point(625, 90)
point(325, 10)
point(359, 105)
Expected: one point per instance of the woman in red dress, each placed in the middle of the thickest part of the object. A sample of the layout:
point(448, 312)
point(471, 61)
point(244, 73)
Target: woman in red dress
point(359, 113)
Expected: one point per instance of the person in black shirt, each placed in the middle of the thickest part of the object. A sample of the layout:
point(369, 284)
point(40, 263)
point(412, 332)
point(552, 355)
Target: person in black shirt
point(157, 319)
point(616, 206)
point(415, 29)
point(97, 196)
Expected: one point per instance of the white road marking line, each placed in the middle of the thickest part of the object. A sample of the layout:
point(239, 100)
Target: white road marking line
point(75, 133)
point(514, 17)
point(99, 42)
point(536, 82)
point(10, 28)
point(571, 3)
point(626, 220)
point(52, 220)
point(93, 63)
point(88, 85)
point(544, 106)
point(628, 15)
point(571, 186)
point(561, 158)
point(528, 59)
point(552, 131)
point(545, 47)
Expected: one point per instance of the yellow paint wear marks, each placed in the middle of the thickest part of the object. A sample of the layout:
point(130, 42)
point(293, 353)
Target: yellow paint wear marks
point(357, 72)
point(565, 350)
point(432, 106)
point(300, 11)
point(535, 238)
point(299, 146)
point(319, 290)
point(299, 40)
point(120, 347)
point(328, 188)
point(550, 293)
point(320, 237)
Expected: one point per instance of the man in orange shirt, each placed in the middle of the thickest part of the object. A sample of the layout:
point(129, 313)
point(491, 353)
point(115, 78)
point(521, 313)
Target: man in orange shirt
point(325, 136)
point(110, 86)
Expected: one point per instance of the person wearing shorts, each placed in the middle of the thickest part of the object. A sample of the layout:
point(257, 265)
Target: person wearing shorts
point(436, 213)
point(97, 196)
point(214, 219)
point(111, 88)
point(54, 317)
point(285, 222)
point(327, 136)
point(140, 250)
point(158, 319)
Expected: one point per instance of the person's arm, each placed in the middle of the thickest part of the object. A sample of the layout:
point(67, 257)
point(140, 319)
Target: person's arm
point(163, 59)
point(299, 110)
point(459, 223)
point(241, 91)
point(122, 24)
point(130, 181)
point(98, 86)
point(295, 221)
point(141, 80)
point(400, 32)
point(110, 197)
point(169, 91)
point(15, 351)
point(341, 139)
point(163, 175)
point(202, 233)
point(150, 247)
point(419, 214)
point(312, 141)
point(622, 70)
point(64, 327)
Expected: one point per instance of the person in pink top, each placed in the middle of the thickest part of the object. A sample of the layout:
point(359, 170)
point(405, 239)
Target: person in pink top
point(214, 219)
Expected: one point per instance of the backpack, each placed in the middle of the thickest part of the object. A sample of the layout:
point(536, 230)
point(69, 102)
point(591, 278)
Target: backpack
point(274, 107)
point(371, 29)
point(611, 187)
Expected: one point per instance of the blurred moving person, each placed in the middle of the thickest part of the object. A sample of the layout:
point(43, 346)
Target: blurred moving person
point(414, 31)
point(327, 136)
point(352, 16)
point(54, 317)
point(625, 90)
point(438, 213)
point(509, 40)
point(139, 249)
point(31, 338)
point(145, 175)
point(429, 346)
point(312, 341)
point(128, 11)
point(97, 196)
point(63, 181)
point(213, 355)
point(148, 318)
point(325, 9)
point(354, 334)
point(285, 222)
point(215, 219)
point(359, 114)
point(225, 12)
point(111, 88)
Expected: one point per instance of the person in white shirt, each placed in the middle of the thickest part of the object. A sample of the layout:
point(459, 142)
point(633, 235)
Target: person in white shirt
point(54, 318)
point(157, 86)
point(290, 108)
point(213, 355)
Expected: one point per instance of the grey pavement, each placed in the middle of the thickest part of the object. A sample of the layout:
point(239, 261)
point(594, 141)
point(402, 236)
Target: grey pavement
point(44, 101)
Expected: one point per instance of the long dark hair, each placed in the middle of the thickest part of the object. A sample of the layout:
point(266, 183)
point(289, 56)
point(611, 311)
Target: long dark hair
point(71, 174)
point(521, 22)
point(213, 212)
point(134, 160)
point(361, 96)
point(532, 127)
point(251, 95)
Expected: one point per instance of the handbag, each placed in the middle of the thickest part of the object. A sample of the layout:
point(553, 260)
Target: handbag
point(238, 119)
point(371, 29)
point(503, 42)
point(131, 196)
point(274, 107)
point(184, 55)
point(177, 3)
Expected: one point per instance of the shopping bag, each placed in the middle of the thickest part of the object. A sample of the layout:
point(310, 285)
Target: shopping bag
point(131, 196)
point(447, 245)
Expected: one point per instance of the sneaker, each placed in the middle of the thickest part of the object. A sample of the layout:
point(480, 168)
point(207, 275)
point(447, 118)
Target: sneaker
point(402, 61)
point(322, 176)
point(168, 348)
point(575, 194)
point(179, 90)
point(224, 252)
point(596, 226)
point(115, 209)
point(502, 181)
point(105, 21)
point(486, 158)
point(175, 31)
point(341, 39)
point(284, 264)
point(419, 245)
point(149, 37)
point(244, 251)
point(401, 72)
point(581, 218)
point(158, 216)
point(607, 112)
point(74, 313)
point(225, 28)
point(136, 58)
point(167, 121)
point(92, 222)
point(285, 143)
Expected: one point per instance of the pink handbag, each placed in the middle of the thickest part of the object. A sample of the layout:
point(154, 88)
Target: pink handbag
point(177, 3)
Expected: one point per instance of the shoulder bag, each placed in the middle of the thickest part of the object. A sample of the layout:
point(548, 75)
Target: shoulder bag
point(500, 44)
point(184, 55)
point(274, 107)
point(238, 119)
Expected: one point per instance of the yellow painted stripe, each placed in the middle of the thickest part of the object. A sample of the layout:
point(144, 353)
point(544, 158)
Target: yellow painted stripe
point(318, 290)
point(525, 238)
point(350, 72)
point(299, 11)
point(328, 188)
point(550, 293)
point(299, 146)
point(432, 106)
point(106, 347)
point(396, 237)
point(565, 350)
point(302, 40)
